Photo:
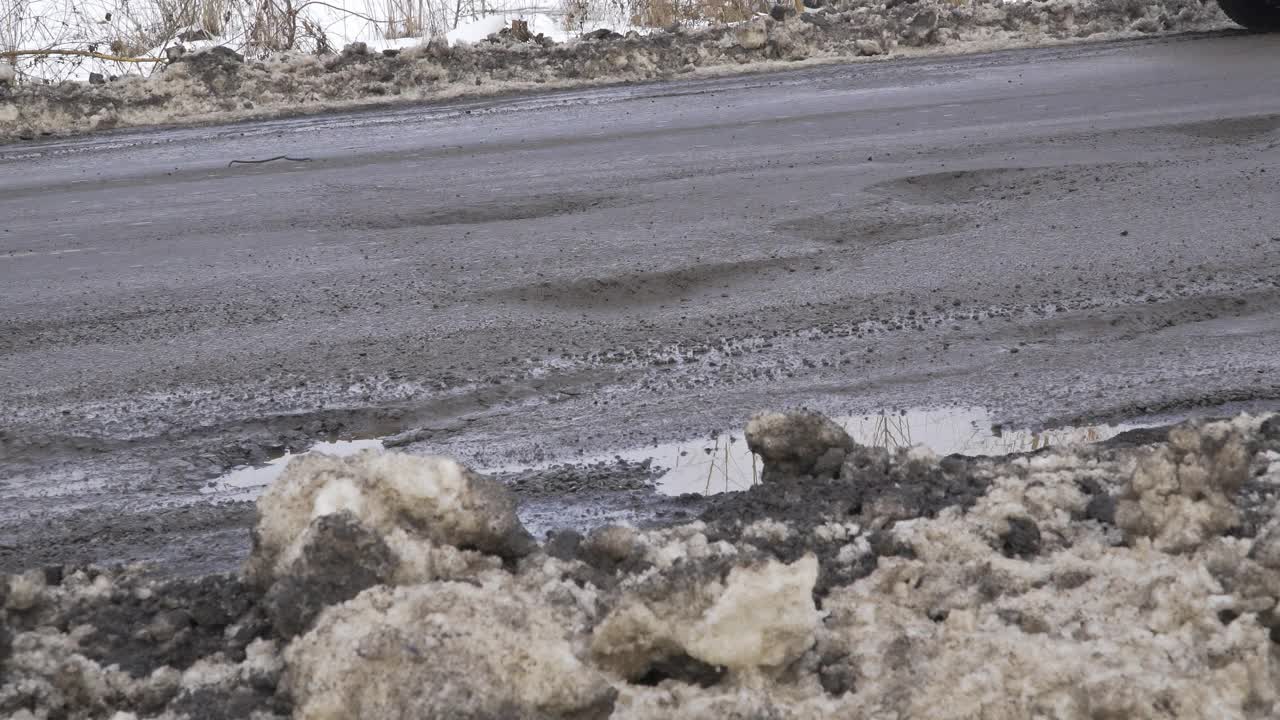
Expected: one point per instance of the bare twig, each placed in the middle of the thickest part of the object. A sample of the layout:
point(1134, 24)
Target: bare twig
point(78, 53)
point(352, 13)
point(270, 159)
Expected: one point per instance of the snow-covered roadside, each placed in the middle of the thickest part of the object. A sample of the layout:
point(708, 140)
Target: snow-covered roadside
point(219, 85)
point(116, 27)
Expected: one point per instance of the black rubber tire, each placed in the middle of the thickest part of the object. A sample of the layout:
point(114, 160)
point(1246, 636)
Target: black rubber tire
point(1256, 15)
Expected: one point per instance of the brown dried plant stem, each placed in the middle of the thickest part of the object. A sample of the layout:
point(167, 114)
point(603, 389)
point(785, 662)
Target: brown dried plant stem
point(78, 53)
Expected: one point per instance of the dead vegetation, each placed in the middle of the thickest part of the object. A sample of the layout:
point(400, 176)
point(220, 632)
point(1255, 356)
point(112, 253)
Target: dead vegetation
point(50, 40)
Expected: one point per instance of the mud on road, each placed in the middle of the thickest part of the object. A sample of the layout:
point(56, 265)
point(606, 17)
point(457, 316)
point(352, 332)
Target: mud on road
point(1057, 236)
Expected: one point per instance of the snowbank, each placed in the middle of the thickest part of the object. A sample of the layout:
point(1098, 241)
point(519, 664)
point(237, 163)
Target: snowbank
point(479, 30)
point(115, 27)
point(201, 88)
point(1049, 585)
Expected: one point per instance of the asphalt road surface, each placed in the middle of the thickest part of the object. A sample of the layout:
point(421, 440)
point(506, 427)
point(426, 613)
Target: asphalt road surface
point(1055, 235)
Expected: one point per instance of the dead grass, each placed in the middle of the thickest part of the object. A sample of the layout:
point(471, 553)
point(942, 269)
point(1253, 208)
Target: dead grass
point(52, 39)
point(416, 18)
point(144, 26)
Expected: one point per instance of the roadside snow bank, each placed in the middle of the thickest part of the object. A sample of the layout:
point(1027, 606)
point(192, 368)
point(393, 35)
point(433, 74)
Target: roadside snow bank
point(218, 85)
point(1123, 580)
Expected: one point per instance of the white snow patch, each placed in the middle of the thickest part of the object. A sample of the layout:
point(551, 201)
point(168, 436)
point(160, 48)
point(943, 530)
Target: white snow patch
point(478, 30)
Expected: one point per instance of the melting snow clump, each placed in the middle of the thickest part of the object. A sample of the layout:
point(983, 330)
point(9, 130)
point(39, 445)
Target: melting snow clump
point(411, 504)
point(1181, 493)
point(442, 651)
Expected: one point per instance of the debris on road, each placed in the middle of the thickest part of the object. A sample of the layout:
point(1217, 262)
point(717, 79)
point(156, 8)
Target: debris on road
point(270, 159)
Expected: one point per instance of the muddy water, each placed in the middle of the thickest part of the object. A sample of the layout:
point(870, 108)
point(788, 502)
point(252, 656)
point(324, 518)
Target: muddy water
point(246, 482)
point(724, 463)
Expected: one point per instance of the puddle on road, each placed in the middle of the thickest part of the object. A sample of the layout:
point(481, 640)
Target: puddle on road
point(724, 463)
point(716, 465)
point(245, 483)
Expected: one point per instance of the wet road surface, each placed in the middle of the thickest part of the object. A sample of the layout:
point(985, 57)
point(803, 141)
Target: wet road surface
point(1059, 235)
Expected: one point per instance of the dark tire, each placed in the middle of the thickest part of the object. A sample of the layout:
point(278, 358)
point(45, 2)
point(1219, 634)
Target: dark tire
point(1257, 15)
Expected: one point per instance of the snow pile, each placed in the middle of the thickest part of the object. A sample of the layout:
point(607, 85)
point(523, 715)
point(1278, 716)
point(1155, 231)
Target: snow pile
point(331, 527)
point(442, 651)
point(960, 626)
point(197, 89)
point(403, 499)
point(1048, 585)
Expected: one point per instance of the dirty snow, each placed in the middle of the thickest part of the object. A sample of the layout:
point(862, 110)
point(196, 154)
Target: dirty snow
point(1042, 585)
point(443, 651)
point(207, 87)
point(410, 502)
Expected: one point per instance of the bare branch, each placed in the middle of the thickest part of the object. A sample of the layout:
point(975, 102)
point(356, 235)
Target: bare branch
point(78, 53)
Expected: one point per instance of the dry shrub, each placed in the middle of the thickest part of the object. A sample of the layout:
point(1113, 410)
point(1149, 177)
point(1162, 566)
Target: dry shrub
point(420, 18)
point(148, 25)
point(277, 25)
point(273, 26)
point(586, 15)
point(664, 13)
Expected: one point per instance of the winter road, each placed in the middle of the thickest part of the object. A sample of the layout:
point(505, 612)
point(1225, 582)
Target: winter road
point(1055, 235)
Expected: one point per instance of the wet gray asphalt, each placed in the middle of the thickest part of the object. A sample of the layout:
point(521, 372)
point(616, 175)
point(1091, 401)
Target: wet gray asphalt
point(1056, 235)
